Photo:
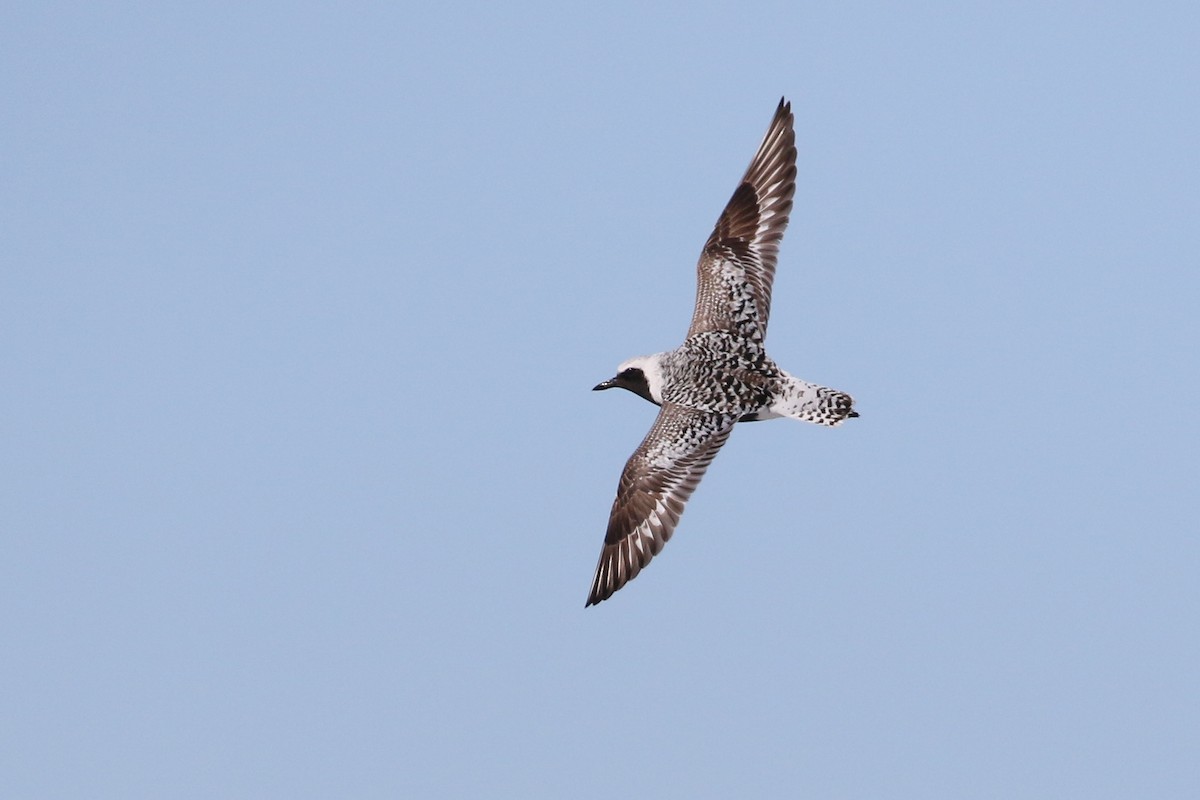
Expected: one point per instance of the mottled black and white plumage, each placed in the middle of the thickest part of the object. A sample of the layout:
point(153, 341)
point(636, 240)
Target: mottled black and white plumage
point(720, 375)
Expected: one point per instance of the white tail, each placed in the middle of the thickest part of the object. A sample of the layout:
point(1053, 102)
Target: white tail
point(803, 400)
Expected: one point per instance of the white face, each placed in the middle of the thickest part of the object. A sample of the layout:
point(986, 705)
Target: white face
point(651, 367)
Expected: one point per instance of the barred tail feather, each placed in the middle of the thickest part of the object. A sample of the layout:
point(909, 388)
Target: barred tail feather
point(812, 403)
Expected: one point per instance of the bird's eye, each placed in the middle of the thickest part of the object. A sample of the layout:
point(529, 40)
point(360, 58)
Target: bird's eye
point(631, 374)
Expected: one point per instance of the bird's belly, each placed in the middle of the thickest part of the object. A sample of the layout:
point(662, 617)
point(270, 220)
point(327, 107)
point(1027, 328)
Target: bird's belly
point(745, 395)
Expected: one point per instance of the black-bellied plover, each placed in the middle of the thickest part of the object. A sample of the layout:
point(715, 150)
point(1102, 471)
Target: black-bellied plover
point(720, 375)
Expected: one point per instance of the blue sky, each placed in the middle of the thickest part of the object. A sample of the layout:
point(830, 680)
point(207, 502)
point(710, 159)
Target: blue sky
point(302, 480)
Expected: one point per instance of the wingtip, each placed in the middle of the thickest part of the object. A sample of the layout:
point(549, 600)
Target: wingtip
point(597, 593)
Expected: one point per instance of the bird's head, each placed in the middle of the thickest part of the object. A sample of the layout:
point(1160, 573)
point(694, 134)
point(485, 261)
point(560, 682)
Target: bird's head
point(641, 375)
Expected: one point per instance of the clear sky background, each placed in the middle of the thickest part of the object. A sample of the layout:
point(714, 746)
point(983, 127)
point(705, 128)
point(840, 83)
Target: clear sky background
point(302, 482)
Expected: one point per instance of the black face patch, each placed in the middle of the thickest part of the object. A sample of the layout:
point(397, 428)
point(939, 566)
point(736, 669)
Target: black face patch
point(634, 380)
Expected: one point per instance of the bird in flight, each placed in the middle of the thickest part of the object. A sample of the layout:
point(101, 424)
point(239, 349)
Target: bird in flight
point(720, 375)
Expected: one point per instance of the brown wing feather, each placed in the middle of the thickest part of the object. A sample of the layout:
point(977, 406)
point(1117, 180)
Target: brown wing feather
point(657, 481)
point(737, 267)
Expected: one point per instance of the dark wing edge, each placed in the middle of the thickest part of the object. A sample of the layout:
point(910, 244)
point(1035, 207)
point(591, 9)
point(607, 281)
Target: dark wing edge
point(746, 238)
point(651, 495)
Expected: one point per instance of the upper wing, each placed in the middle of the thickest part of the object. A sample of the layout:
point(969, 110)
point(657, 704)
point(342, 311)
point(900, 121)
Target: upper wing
point(737, 267)
point(658, 479)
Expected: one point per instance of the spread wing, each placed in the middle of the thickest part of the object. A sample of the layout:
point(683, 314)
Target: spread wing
point(658, 479)
point(737, 267)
